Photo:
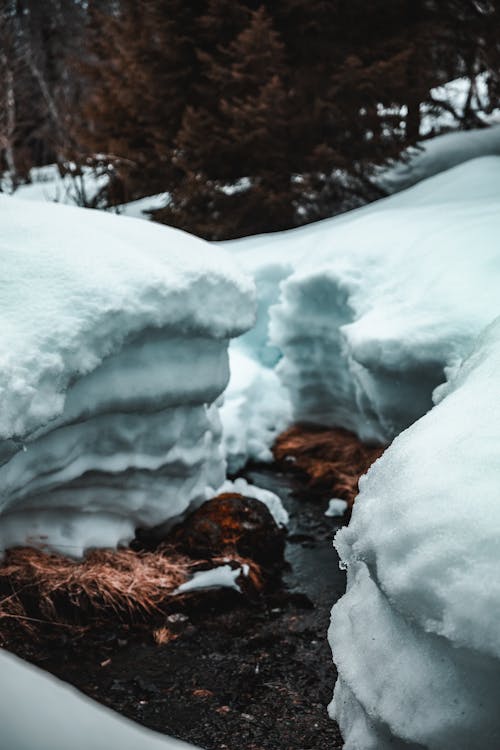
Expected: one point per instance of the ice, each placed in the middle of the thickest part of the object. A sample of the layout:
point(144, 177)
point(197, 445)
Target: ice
point(386, 299)
point(270, 500)
point(114, 345)
point(416, 638)
point(61, 718)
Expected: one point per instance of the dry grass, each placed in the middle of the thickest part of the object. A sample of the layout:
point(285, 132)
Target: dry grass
point(108, 586)
point(333, 459)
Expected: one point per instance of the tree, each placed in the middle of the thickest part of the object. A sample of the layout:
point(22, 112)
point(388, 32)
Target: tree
point(256, 117)
point(239, 146)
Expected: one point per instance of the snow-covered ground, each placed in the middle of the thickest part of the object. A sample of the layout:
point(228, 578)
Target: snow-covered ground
point(114, 345)
point(39, 712)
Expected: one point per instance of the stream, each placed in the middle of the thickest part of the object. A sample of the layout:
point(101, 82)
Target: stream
point(243, 675)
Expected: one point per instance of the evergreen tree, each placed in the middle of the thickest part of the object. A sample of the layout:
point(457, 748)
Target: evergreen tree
point(240, 147)
point(259, 117)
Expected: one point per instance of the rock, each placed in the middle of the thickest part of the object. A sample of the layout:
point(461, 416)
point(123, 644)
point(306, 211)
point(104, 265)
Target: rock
point(232, 523)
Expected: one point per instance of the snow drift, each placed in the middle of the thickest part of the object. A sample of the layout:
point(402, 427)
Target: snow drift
point(388, 297)
point(61, 718)
point(114, 344)
point(416, 638)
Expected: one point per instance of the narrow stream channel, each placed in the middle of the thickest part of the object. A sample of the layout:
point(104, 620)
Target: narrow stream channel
point(244, 675)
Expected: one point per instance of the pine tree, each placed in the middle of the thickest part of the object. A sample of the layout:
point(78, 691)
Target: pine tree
point(240, 147)
point(141, 63)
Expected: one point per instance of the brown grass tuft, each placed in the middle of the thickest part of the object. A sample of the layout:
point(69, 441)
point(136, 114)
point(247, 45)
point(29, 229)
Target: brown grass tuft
point(108, 586)
point(333, 459)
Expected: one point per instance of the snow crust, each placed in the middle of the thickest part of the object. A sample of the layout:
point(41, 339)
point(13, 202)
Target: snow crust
point(386, 298)
point(61, 718)
point(114, 344)
point(416, 638)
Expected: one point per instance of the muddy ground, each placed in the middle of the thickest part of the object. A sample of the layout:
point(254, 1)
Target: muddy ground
point(242, 674)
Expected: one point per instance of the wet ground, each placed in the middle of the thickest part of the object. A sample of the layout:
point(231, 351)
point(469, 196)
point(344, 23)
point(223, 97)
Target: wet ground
point(243, 674)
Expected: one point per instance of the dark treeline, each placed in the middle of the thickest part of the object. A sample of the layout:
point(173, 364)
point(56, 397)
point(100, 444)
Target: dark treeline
point(253, 116)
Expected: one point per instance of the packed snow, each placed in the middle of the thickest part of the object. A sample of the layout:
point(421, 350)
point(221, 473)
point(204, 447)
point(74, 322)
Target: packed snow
point(114, 345)
point(61, 718)
point(416, 638)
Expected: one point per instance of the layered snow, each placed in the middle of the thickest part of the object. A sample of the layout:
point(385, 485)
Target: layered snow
point(388, 297)
point(416, 638)
point(114, 345)
point(61, 718)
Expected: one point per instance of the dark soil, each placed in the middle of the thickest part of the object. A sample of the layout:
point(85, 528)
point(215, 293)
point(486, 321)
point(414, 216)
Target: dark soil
point(242, 674)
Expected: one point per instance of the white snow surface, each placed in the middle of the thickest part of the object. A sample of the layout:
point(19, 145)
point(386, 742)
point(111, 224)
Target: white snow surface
point(438, 154)
point(270, 500)
point(255, 410)
point(336, 507)
point(416, 638)
point(114, 344)
point(223, 576)
point(383, 300)
point(40, 712)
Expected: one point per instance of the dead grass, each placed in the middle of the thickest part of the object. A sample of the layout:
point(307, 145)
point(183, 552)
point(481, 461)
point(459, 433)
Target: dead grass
point(108, 586)
point(333, 459)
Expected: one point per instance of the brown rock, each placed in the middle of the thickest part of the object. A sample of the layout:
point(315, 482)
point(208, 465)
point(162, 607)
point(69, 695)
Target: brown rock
point(232, 523)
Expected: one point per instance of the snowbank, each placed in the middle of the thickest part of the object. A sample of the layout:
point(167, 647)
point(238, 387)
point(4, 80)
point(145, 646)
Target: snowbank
point(114, 341)
point(416, 638)
point(61, 718)
point(388, 297)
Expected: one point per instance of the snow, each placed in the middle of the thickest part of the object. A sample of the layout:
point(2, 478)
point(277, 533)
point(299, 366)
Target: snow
point(438, 154)
point(223, 576)
point(139, 209)
point(114, 345)
point(383, 300)
point(256, 406)
point(47, 184)
point(61, 718)
point(270, 500)
point(255, 410)
point(416, 638)
point(336, 507)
